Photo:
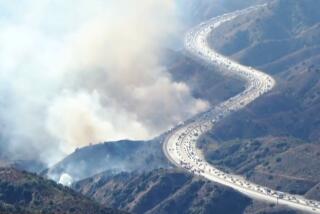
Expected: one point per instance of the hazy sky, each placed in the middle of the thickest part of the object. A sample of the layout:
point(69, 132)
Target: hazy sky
point(80, 72)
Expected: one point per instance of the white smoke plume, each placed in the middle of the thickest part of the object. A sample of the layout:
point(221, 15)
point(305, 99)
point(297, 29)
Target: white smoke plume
point(78, 72)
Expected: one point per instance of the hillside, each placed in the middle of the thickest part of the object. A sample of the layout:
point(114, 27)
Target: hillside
point(121, 156)
point(194, 11)
point(269, 162)
point(289, 51)
point(28, 165)
point(168, 191)
point(22, 192)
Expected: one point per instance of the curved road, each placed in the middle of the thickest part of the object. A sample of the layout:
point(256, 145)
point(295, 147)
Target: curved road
point(180, 144)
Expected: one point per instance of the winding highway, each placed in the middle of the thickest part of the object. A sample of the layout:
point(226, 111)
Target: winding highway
point(180, 144)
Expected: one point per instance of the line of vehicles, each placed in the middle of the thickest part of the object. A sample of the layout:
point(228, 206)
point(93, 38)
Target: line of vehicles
point(180, 146)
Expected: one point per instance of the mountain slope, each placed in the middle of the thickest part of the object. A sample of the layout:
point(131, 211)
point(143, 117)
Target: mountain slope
point(271, 33)
point(199, 10)
point(282, 163)
point(291, 108)
point(121, 156)
point(22, 192)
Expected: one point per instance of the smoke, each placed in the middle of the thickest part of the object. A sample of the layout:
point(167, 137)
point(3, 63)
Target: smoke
point(65, 179)
point(80, 72)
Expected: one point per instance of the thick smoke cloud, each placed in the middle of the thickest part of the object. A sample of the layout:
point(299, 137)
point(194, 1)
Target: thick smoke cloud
point(80, 72)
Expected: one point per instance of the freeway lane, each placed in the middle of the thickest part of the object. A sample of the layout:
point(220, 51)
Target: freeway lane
point(180, 144)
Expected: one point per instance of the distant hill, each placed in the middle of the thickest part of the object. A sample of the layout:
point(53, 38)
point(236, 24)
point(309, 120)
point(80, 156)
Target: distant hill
point(282, 29)
point(22, 192)
point(121, 156)
point(169, 191)
point(199, 10)
point(28, 165)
